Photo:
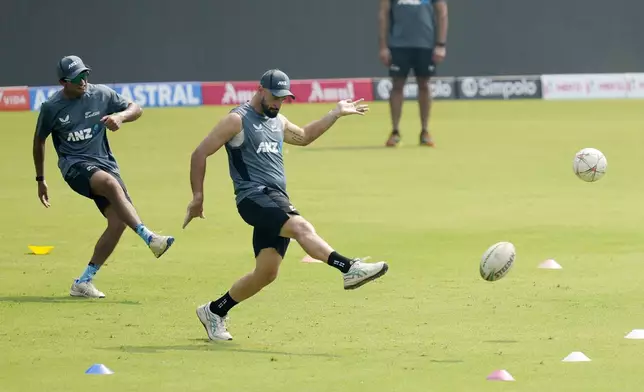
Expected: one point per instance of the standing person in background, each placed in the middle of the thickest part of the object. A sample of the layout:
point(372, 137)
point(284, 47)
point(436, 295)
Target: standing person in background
point(413, 35)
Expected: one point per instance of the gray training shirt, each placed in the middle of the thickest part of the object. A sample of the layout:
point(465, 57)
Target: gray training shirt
point(76, 128)
point(255, 154)
point(412, 24)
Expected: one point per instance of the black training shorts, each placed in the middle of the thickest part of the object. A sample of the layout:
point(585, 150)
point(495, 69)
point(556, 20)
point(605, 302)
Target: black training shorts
point(405, 59)
point(78, 178)
point(267, 211)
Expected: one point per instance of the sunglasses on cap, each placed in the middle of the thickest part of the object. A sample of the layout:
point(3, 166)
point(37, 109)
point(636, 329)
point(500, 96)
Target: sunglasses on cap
point(78, 78)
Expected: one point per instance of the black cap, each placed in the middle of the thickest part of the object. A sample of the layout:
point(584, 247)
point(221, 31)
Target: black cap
point(277, 82)
point(71, 66)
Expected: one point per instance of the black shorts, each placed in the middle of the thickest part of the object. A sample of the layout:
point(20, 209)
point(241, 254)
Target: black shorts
point(267, 211)
point(405, 59)
point(78, 179)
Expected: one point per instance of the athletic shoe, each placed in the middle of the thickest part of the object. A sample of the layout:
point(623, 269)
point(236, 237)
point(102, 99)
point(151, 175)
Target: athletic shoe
point(425, 139)
point(160, 244)
point(361, 273)
point(394, 139)
point(215, 325)
point(85, 289)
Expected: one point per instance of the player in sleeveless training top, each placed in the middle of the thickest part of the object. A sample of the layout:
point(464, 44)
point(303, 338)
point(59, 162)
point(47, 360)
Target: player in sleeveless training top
point(253, 135)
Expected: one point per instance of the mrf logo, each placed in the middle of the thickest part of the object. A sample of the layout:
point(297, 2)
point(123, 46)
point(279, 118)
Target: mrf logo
point(77, 136)
point(271, 147)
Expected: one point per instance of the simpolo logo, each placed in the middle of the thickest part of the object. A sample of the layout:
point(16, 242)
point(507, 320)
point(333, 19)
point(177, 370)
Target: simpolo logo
point(506, 89)
point(441, 89)
point(469, 87)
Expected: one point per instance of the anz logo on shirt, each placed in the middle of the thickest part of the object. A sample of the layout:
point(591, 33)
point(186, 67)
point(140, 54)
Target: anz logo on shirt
point(83, 134)
point(77, 136)
point(269, 147)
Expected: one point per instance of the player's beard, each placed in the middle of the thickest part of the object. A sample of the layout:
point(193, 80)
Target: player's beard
point(268, 111)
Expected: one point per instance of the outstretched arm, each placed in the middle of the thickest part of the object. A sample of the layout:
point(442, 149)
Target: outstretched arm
point(302, 136)
point(295, 135)
point(225, 130)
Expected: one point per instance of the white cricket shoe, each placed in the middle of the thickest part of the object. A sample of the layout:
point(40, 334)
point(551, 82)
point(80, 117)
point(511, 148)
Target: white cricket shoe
point(85, 289)
point(160, 244)
point(361, 273)
point(215, 325)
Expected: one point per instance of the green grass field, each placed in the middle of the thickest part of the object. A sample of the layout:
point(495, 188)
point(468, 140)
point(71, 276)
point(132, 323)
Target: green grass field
point(501, 171)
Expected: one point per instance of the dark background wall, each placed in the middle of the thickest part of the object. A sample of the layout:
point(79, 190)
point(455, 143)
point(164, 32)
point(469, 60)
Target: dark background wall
point(208, 40)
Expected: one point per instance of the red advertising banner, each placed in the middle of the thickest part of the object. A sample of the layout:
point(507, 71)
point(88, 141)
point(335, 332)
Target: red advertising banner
point(305, 91)
point(14, 98)
point(332, 90)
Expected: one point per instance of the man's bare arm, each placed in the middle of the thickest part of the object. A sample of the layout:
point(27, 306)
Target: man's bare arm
point(131, 113)
point(39, 155)
point(114, 121)
point(40, 137)
point(383, 19)
point(307, 134)
point(440, 8)
point(295, 135)
point(43, 129)
point(225, 130)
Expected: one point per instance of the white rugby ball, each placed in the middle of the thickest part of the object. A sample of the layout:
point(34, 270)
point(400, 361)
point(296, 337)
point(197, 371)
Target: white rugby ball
point(497, 261)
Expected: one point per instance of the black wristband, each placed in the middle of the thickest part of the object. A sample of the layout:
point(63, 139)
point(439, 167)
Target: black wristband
point(40, 178)
point(441, 44)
